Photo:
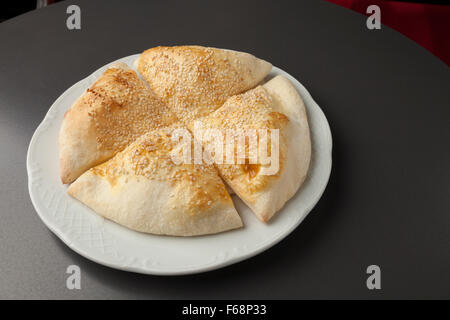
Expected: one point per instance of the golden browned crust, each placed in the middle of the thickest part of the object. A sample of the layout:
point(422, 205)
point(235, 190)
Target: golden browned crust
point(150, 157)
point(112, 113)
point(275, 105)
point(250, 110)
point(194, 80)
point(123, 108)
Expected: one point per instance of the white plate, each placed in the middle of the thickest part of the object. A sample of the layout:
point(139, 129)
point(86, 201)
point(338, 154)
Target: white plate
point(115, 246)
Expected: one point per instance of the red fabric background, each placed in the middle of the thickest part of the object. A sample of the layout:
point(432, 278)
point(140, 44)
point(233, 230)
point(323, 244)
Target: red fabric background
point(426, 24)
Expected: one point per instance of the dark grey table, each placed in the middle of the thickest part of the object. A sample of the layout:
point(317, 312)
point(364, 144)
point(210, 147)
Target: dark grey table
point(388, 104)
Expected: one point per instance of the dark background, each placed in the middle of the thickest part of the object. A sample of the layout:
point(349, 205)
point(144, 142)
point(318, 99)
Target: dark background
point(387, 101)
point(425, 22)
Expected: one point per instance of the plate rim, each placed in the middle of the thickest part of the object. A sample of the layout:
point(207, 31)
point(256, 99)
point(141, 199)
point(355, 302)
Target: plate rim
point(51, 224)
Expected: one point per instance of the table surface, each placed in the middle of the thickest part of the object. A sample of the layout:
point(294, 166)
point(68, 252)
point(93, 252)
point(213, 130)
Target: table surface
point(388, 104)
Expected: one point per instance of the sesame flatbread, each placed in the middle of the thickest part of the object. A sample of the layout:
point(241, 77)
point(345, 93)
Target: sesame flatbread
point(143, 189)
point(112, 113)
point(194, 81)
point(276, 107)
